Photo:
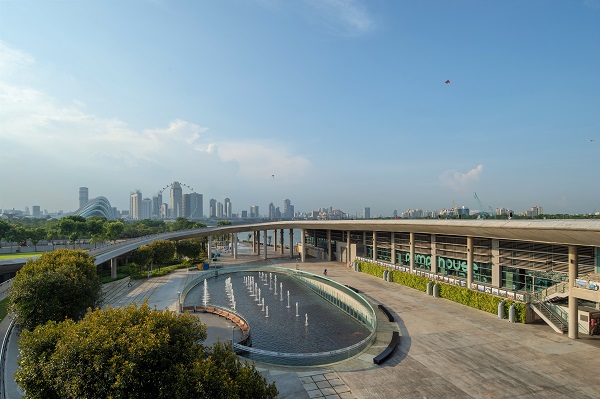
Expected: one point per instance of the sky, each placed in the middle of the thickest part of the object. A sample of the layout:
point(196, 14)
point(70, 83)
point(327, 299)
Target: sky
point(339, 103)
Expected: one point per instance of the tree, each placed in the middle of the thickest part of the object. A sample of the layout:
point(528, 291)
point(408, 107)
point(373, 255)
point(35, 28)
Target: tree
point(95, 227)
point(57, 285)
point(113, 230)
point(132, 352)
point(36, 234)
point(5, 229)
point(164, 251)
point(143, 255)
point(189, 248)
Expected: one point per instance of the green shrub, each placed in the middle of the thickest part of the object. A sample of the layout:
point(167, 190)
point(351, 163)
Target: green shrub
point(475, 299)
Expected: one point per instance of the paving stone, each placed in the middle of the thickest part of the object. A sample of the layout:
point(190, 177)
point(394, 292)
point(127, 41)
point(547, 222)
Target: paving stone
point(323, 384)
point(319, 377)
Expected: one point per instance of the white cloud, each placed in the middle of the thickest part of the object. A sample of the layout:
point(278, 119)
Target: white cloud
point(349, 13)
point(45, 135)
point(459, 181)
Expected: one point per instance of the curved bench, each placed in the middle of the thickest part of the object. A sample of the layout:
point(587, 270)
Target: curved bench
point(385, 310)
point(389, 351)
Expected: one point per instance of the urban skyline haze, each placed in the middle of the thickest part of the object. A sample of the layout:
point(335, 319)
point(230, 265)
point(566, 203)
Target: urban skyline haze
point(339, 103)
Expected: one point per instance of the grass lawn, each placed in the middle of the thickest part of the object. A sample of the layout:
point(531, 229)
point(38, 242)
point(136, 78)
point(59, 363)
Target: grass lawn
point(20, 255)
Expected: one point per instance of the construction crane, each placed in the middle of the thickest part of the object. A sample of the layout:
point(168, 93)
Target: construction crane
point(481, 211)
point(456, 209)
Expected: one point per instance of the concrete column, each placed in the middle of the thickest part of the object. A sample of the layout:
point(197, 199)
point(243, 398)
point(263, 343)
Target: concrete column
point(374, 246)
point(234, 246)
point(266, 242)
point(412, 252)
point(496, 272)
point(329, 245)
point(303, 244)
point(281, 249)
point(253, 242)
point(113, 268)
point(573, 308)
point(275, 241)
point(348, 254)
point(291, 243)
point(258, 243)
point(393, 249)
point(433, 254)
point(209, 247)
point(469, 261)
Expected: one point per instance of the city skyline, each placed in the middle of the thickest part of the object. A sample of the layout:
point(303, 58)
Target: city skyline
point(328, 103)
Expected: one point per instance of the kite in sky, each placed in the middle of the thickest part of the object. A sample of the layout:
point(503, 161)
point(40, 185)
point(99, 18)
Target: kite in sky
point(447, 82)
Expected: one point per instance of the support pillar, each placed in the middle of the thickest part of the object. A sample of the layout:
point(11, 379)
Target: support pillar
point(573, 307)
point(235, 246)
point(433, 254)
point(265, 243)
point(281, 240)
point(329, 245)
point(303, 244)
point(291, 243)
point(210, 248)
point(469, 261)
point(393, 248)
point(113, 268)
point(496, 272)
point(411, 263)
point(275, 241)
point(253, 242)
point(348, 247)
point(374, 246)
point(258, 243)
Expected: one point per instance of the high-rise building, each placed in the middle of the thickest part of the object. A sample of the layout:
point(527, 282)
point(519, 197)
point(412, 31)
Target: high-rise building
point(366, 213)
point(212, 208)
point(219, 210)
point(192, 206)
point(271, 211)
point(156, 203)
point(176, 200)
point(164, 210)
point(227, 208)
point(135, 205)
point(146, 208)
point(288, 209)
point(254, 211)
point(244, 214)
point(35, 211)
point(83, 197)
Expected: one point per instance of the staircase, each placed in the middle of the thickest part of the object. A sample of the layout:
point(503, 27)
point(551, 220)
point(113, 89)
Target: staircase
point(557, 322)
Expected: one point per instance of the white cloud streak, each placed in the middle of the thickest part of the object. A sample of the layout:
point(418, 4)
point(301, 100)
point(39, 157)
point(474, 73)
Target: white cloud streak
point(459, 181)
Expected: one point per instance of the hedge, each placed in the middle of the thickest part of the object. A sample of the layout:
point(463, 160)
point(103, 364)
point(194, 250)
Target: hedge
point(475, 299)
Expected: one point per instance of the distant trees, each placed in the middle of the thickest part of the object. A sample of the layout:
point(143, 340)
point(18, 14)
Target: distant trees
point(133, 352)
point(189, 248)
point(164, 251)
point(57, 285)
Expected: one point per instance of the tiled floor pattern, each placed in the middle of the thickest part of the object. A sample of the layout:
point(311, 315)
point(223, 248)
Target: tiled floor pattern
point(325, 385)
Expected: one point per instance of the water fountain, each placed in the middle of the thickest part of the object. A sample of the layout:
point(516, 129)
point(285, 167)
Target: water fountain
point(205, 296)
point(297, 310)
point(306, 319)
point(267, 314)
point(280, 292)
point(288, 306)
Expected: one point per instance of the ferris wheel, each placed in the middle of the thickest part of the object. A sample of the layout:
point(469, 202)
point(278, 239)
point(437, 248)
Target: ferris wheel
point(193, 211)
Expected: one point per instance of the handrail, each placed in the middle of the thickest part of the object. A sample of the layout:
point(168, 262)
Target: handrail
point(3, 357)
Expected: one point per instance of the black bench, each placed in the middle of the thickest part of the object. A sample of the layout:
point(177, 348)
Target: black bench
point(387, 312)
point(389, 351)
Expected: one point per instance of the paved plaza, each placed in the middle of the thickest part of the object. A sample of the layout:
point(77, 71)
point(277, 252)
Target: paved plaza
point(447, 350)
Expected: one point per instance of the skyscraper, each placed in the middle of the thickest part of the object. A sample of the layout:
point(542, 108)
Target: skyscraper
point(288, 209)
point(227, 208)
point(176, 200)
point(146, 212)
point(254, 211)
point(212, 208)
point(135, 204)
point(219, 210)
point(271, 211)
point(83, 197)
point(156, 203)
point(367, 213)
point(192, 206)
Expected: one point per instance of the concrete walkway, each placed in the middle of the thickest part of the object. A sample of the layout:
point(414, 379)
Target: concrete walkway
point(447, 350)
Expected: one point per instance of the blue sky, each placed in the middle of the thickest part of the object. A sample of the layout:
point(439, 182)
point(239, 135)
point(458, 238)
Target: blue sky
point(343, 101)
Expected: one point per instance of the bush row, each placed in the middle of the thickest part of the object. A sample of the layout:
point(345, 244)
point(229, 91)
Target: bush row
point(475, 299)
